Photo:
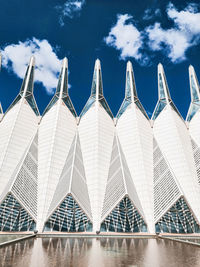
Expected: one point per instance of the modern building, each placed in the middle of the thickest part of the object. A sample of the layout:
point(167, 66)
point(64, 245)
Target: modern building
point(97, 172)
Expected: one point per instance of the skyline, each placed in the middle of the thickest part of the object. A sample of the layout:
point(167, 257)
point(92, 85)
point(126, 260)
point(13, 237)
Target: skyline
point(113, 32)
point(150, 114)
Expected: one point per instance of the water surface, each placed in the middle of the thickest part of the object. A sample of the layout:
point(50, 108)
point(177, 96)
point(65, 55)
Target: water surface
point(6, 237)
point(97, 252)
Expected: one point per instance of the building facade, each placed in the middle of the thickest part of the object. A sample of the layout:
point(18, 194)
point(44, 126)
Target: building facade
point(96, 173)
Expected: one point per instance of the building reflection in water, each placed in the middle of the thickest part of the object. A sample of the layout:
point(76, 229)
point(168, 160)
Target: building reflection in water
point(18, 254)
point(97, 252)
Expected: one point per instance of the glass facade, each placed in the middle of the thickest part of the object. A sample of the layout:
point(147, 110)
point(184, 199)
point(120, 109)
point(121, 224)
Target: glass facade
point(13, 217)
point(178, 219)
point(68, 217)
point(124, 218)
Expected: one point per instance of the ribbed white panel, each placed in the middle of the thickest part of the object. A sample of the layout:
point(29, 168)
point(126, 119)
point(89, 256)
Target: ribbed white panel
point(1, 112)
point(23, 182)
point(56, 132)
point(72, 181)
point(119, 183)
point(96, 131)
point(135, 135)
point(196, 152)
point(6, 128)
point(194, 131)
point(25, 185)
point(166, 188)
point(79, 187)
point(174, 142)
point(194, 128)
point(129, 183)
point(63, 187)
point(115, 188)
point(16, 131)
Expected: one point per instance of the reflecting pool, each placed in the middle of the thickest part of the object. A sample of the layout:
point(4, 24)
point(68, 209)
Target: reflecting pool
point(97, 252)
point(5, 238)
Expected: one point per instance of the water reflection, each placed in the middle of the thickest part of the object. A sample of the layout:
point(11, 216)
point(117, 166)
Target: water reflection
point(5, 237)
point(97, 252)
point(17, 254)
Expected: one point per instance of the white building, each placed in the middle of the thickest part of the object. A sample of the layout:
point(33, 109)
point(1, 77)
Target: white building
point(61, 172)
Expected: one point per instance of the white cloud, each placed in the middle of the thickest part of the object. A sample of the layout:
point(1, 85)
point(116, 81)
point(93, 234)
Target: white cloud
point(150, 13)
point(69, 9)
point(178, 39)
point(172, 42)
point(15, 57)
point(124, 36)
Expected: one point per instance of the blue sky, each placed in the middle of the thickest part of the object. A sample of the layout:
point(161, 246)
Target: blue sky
point(144, 32)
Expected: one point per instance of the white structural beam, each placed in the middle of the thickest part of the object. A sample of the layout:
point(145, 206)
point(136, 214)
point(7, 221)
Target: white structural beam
point(122, 210)
point(193, 118)
point(18, 127)
point(136, 138)
point(171, 135)
point(70, 206)
point(72, 180)
point(23, 182)
point(56, 132)
point(1, 112)
point(96, 131)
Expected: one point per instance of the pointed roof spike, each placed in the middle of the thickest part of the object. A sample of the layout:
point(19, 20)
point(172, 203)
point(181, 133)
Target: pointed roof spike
point(26, 90)
point(27, 84)
point(164, 97)
point(97, 85)
point(62, 90)
point(65, 62)
point(190, 67)
point(130, 90)
point(163, 90)
point(97, 63)
point(97, 91)
point(32, 61)
point(1, 109)
point(195, 94)
point(62, 86)
point(194, 85)
point(64, 78)
point(0, 60)
point(130, 93)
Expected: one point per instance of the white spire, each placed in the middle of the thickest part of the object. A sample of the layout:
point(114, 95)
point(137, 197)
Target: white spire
point(1, 109)
point(64, 79)
point(27, 85)
point(130, 82)
point(62, 87)
point(0, 60)
point(32, 61)
point(65, 63)
point(194, 85)
point(97, 86)
point(163, 90)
